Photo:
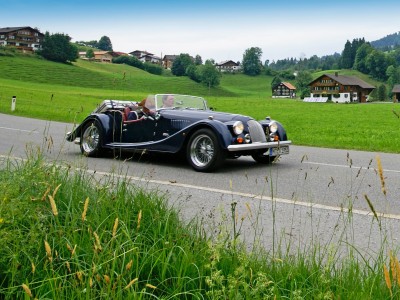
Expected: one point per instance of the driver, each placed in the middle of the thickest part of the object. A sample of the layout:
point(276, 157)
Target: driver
point(168, 101)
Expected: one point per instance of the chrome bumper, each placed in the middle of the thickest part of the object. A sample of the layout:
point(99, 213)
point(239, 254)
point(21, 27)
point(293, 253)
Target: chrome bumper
point(259, 145)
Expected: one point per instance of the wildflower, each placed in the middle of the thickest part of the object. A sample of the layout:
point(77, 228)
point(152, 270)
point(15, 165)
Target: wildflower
point(150, 286)
point(380, 172)
point(131, 282)
point(387, 279)
point(48, 251)
point(97, 245)
point(129, 265)
point(115, 228)
point(139, 219)
point(27, 290)
point(107, 279)
point(85, 207)
point(53, 205)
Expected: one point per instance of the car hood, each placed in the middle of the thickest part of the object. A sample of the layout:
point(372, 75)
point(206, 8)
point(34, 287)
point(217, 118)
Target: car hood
point(196, 115)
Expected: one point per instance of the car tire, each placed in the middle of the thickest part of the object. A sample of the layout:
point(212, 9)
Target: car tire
point(91, 139)
point(203, 151)
point(263, 158)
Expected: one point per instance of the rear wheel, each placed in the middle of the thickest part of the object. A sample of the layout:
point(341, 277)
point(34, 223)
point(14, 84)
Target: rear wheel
point(203, 151)
point(91, 139)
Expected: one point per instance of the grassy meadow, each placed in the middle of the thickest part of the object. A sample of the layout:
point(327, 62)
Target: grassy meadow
point(59, 92)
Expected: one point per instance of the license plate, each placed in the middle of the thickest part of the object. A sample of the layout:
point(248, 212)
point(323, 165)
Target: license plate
point(279, 151)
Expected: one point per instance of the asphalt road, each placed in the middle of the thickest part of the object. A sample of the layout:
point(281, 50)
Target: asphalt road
point(302, 199)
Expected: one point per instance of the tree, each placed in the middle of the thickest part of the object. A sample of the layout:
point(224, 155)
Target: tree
point(105, 44)
point(361, 58)
point(381, 92)
point(180, 64)
point(90, 53)
point(251, 62)
point(57, 47)
point(197, 60)
point(377, 64)
point(302, 81)
point(209, 75)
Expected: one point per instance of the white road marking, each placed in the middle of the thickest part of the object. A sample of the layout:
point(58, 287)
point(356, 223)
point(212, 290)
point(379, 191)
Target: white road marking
point(348, 166)
point(227, 192)
point(15, 129)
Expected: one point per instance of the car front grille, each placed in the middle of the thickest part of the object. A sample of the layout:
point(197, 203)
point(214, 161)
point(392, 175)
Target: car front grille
point(256, 131)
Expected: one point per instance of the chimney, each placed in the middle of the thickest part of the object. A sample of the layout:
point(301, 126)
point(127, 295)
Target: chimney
point(336, 74)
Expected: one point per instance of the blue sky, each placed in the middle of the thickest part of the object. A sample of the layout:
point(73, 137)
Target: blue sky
point(219, 30)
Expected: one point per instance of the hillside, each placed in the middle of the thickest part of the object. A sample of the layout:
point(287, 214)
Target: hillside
point(99, 76)
point(389, 41)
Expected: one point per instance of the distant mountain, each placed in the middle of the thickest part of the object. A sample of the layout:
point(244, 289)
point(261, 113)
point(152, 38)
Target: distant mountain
point(388, 41)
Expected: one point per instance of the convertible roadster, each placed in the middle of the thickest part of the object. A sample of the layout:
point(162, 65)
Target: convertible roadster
point(180, 124)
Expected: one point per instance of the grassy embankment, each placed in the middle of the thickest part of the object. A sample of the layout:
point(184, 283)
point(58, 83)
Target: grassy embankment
point(66, 235)
point(68, 93)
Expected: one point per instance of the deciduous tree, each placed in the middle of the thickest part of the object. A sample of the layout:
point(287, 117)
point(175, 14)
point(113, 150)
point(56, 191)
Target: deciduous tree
point(105, 44)
point(251, 62)
point(57, 47)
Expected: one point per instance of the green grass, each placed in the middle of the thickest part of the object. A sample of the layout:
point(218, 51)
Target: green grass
point(60, 92)
point(126, 243)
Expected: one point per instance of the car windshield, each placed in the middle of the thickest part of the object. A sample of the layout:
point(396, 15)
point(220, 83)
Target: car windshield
point(174, 101)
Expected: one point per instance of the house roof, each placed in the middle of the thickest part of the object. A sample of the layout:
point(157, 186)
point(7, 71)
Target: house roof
point(227, 61)
point(396, 88)
point(170, 57)
point(12, 29)
point(347, 80)
point(140, 52)
point(289, 85)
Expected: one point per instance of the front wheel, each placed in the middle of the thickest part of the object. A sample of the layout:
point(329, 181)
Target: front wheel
point(263, 158)
point(91, 139)
point(203, 151)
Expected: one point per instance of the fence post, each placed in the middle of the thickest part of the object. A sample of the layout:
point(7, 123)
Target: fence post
point(13, 102)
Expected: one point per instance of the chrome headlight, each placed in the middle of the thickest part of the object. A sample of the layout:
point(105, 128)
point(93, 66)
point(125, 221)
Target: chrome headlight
point(273, 127)
point(238, 127)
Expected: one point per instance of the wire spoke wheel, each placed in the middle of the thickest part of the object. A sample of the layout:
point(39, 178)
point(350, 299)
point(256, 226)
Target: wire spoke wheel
point(203, 152)
point(91, 140)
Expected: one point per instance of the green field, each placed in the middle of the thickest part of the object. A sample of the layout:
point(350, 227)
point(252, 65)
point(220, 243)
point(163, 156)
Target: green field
point(61, 92)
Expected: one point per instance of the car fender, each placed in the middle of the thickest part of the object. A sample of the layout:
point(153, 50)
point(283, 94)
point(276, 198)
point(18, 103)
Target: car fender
point(281, 129)
point(220, 129)
point(105, 121)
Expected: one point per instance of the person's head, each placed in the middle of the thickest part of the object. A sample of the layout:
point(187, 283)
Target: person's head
point(168, 100)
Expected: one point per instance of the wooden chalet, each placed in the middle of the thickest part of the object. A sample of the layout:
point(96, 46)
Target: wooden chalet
point(284, 90)
point(103, 56)
point(340, 88)
point(26, 38)
point(396, 93)
point(228, 66)
point(168, 60)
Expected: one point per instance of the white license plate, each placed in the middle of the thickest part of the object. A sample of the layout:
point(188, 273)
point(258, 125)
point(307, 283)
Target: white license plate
point(279, 151)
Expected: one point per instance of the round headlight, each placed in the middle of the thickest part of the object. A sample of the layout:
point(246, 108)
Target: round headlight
point(238, 127)
point(273, 127)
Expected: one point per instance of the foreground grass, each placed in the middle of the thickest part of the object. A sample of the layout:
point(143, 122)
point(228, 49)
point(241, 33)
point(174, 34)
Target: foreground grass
point(68, 235)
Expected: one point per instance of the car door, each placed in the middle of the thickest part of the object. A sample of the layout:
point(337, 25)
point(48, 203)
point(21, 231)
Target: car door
point(139, 131)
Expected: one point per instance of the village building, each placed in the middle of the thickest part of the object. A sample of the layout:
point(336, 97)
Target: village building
point(26, 39)
point(103, 56)
point(396, 93)
point(168, 60)
point(228, 66)
point(284, 90)
point(339, 88)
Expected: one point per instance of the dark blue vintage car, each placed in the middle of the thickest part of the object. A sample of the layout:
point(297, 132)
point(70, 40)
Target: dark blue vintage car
point(181, 124)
